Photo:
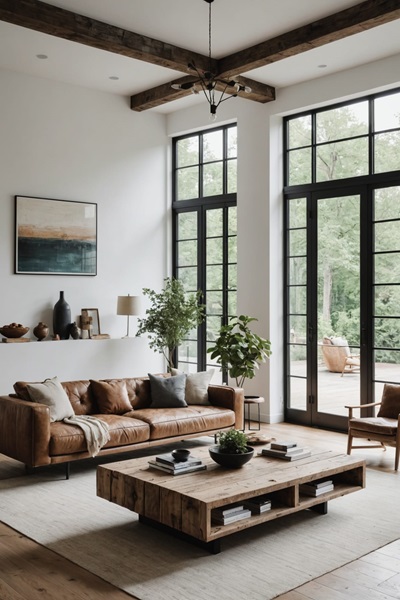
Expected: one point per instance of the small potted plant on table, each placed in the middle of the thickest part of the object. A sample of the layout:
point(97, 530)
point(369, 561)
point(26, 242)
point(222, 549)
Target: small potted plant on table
point(232, 450)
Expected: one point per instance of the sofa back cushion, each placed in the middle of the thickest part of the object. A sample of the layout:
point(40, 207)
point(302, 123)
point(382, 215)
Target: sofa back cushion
point(111, 396)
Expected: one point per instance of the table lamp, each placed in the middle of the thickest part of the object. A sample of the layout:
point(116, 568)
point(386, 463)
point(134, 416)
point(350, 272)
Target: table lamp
point(128, 306)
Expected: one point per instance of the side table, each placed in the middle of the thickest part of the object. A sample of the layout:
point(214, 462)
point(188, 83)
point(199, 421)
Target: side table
point(248, 402)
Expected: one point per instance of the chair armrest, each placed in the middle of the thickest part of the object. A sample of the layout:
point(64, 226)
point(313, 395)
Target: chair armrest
point(228, 397)
point(24, 431)
point(351, 407)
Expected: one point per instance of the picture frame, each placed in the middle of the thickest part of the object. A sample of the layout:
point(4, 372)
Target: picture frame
point(93, 314)
point(55, 237)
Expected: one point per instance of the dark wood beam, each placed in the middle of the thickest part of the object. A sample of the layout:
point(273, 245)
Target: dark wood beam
point(260, 92)
point(65, 24)
point(345, 23)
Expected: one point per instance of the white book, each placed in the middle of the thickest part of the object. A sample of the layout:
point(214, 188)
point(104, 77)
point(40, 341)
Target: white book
point(244, 514)
point(156, 465)
point(309, 491)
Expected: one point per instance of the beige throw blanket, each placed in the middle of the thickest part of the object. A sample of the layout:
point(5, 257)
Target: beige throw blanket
point(96, 432)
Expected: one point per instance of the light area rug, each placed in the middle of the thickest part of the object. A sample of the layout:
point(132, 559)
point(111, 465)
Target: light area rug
point(259, 563)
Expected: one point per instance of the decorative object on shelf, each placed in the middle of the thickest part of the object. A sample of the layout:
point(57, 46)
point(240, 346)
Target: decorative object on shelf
point(61, 318)
point(209, 83)
point(90, 321)
point(128, 306)
point(180, 454)
point(13, 330)
point(74, 331)
point(172, 315)
point(232, 450)
point(55, 236)
point(41, 331)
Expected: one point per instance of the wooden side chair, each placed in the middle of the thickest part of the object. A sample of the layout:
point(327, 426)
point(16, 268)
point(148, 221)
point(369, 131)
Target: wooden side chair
point(384, 428)
point(337, 356)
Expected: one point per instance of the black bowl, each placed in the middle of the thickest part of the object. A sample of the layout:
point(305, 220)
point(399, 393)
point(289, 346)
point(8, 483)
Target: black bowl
point(181, 454)
point(230, 461)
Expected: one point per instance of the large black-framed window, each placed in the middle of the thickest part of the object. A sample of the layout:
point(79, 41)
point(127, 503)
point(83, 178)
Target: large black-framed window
point(205, 232)
point(342, 257)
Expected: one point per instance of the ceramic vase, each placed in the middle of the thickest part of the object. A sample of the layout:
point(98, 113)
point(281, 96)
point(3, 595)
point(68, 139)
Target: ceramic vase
point(62, 318)
point(41, 331)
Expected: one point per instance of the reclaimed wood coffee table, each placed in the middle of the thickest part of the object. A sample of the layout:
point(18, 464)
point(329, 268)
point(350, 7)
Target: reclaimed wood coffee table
point(182, 504)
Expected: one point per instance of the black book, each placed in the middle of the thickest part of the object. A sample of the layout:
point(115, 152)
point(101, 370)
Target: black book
point(228, 510)
point(312, 491)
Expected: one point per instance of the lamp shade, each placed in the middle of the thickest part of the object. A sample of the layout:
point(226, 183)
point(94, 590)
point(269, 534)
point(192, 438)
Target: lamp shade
point(128, 305)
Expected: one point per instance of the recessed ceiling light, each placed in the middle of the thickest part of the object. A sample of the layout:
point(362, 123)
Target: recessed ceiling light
point(42, 56)
point(322, 66)
point(114, 78)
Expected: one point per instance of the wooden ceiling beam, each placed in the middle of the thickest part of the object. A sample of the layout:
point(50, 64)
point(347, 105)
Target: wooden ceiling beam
point(68, 25)
point(345, 23)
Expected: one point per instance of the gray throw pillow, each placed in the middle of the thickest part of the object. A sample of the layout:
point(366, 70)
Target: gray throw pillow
point(167, 392)
point(52, 393)
point(196, 391)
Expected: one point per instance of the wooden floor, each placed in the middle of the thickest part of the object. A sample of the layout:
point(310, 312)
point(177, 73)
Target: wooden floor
point(29, 571)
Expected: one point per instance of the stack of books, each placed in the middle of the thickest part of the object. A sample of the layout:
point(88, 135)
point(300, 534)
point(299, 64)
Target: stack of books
point(258, 505)
point(316, 488)
point(286, 451)
point(229, 514)
point(167, 463)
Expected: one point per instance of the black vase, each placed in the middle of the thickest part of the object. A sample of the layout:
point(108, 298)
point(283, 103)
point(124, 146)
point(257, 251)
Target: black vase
point(62, 318)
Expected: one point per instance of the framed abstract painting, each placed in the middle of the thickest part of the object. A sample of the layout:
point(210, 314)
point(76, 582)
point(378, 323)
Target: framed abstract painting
point(55, 237)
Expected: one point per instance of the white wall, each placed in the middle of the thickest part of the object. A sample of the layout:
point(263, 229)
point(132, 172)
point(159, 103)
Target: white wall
point(260, 223)
point(65, 142)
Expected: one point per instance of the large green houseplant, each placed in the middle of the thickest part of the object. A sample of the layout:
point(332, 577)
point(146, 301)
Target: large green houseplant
point(239, 350)
point(171, 316)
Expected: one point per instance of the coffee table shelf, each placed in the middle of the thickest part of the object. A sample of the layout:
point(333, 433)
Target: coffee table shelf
point(184, 504)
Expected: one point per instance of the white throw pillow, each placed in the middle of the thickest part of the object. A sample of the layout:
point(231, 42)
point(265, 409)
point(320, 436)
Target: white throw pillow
point(51, 393)
point(196, 391)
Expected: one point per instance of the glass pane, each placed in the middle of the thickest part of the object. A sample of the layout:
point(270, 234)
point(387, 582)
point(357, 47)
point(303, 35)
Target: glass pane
point(299, 131)
point(387, 114)
point(187, 367)
point(214, 303)
point(387, 203)
point(298, 212)
point(387, 155)
point(232, 220)
point(232, 142)
point(299, 166)
point(213, 326)
point(188, 276)
point(343, 122)
point(387, 268)
point(212, 179)
point(387, 236)
point(232, 276)
point(187, 151)
point(298, 360)
point(297, 242)
point(187, 351)
point(232, 249)
point(214, 251)
point(342, 159)
point(387, 365)
point(187, 226)
point(298, 271)
point(187, 253)
point(297, 393)
point(214, 278)
point(187, 183)
point(298, 329)
point(212, 146)
point(214, 222)
point(387, 301)
point(387, 333)
point(232, 176)
point(232, 304)
point(298, 299)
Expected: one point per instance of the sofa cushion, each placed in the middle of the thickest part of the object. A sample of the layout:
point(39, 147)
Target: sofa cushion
point(390, 406)
point(170, 422)
point(196, 390)
point(70, 439)
point(111, 396)
point(167, 392)
point(51, 393)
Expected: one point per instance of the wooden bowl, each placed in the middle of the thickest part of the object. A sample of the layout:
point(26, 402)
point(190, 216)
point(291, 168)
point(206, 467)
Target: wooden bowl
point(15, 331)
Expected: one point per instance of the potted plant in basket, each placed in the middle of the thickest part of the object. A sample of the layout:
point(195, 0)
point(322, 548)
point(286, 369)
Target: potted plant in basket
point(171, 316)
point(232, 450)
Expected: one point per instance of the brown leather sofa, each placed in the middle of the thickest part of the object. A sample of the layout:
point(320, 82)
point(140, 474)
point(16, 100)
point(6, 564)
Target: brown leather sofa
point(27, 435)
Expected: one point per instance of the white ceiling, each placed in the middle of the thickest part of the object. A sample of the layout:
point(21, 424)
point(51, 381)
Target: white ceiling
point(236, 24)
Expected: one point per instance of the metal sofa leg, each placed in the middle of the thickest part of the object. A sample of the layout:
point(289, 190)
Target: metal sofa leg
point(67, 470)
